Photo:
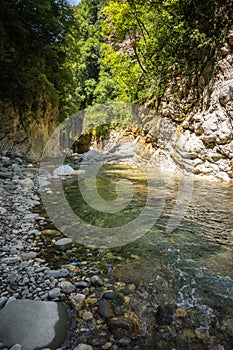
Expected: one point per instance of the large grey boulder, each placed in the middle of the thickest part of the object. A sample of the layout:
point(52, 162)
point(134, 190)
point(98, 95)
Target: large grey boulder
point(33, 324)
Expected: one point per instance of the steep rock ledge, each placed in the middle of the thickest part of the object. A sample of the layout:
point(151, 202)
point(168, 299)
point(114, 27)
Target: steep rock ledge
point(28, 135)
point(195, 131)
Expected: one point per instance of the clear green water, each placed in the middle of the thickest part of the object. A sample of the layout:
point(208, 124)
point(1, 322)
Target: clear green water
point(191, 266)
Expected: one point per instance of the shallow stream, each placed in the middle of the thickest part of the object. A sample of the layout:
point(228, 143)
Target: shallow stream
point(184, 274)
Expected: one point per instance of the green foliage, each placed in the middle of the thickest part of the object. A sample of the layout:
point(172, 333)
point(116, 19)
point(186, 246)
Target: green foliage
point(104, 50)
point(152, 41)
point(32, 51)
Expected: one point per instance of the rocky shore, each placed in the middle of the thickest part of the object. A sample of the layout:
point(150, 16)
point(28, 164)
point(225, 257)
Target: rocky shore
point(58, 295)
point(98, 308)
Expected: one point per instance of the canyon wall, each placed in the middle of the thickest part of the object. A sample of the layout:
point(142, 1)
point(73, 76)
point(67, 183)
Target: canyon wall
point(27, 135)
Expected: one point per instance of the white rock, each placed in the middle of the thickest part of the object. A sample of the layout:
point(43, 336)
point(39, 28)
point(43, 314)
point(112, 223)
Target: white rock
point(26, 183)
point(63, 170)
point(83, 347)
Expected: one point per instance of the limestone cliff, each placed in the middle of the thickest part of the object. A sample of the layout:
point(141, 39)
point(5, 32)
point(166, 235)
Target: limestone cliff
point(207, 130)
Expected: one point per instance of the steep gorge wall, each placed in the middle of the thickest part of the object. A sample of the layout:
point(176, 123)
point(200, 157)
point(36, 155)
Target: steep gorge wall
point(207, 131)
point(27, 135)
point(194, 128)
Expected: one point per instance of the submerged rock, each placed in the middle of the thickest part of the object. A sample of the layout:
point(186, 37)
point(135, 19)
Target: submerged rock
point(106, 309)
point(130, 324)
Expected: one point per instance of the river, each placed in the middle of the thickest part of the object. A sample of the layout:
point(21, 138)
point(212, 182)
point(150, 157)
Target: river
point(188, 270)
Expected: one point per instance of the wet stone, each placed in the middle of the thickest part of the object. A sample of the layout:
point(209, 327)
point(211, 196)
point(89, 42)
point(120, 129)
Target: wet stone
point(106, 309)
point(97, 281)
point(123, 322)
point(165, 314)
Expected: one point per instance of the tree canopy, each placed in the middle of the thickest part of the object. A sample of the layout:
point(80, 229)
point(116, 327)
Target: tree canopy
point(104, 50)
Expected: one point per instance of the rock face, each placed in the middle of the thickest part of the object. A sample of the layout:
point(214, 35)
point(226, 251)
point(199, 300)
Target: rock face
point(207, 114)
point(33, 324)
point(29, 136)
point(195, 135)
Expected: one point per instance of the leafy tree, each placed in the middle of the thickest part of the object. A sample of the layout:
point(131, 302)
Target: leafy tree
point(32, 50)
point(152, 41)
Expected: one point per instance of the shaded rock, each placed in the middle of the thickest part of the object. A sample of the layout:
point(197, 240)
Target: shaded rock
point(3, 301)
point(81, 284)
point(5, 175)
point(33, 324)
point(165, 314)
point(229, 326)
point(115, 297)
point(16, 347)
point(97, 281)
point(106, 309)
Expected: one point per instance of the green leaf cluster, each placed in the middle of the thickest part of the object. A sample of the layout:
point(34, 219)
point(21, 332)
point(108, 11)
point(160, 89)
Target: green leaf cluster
point(32, 54)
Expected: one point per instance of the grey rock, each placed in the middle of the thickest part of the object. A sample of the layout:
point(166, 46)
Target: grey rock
point(58, 273)
point(33, 324)
point(16, 169)
point(28, 255)
point(3, 301)
point(11, 260)
point(64, 243)
point(31, 216)
point(54, 293)
point(67, 287)
point(3, 211)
